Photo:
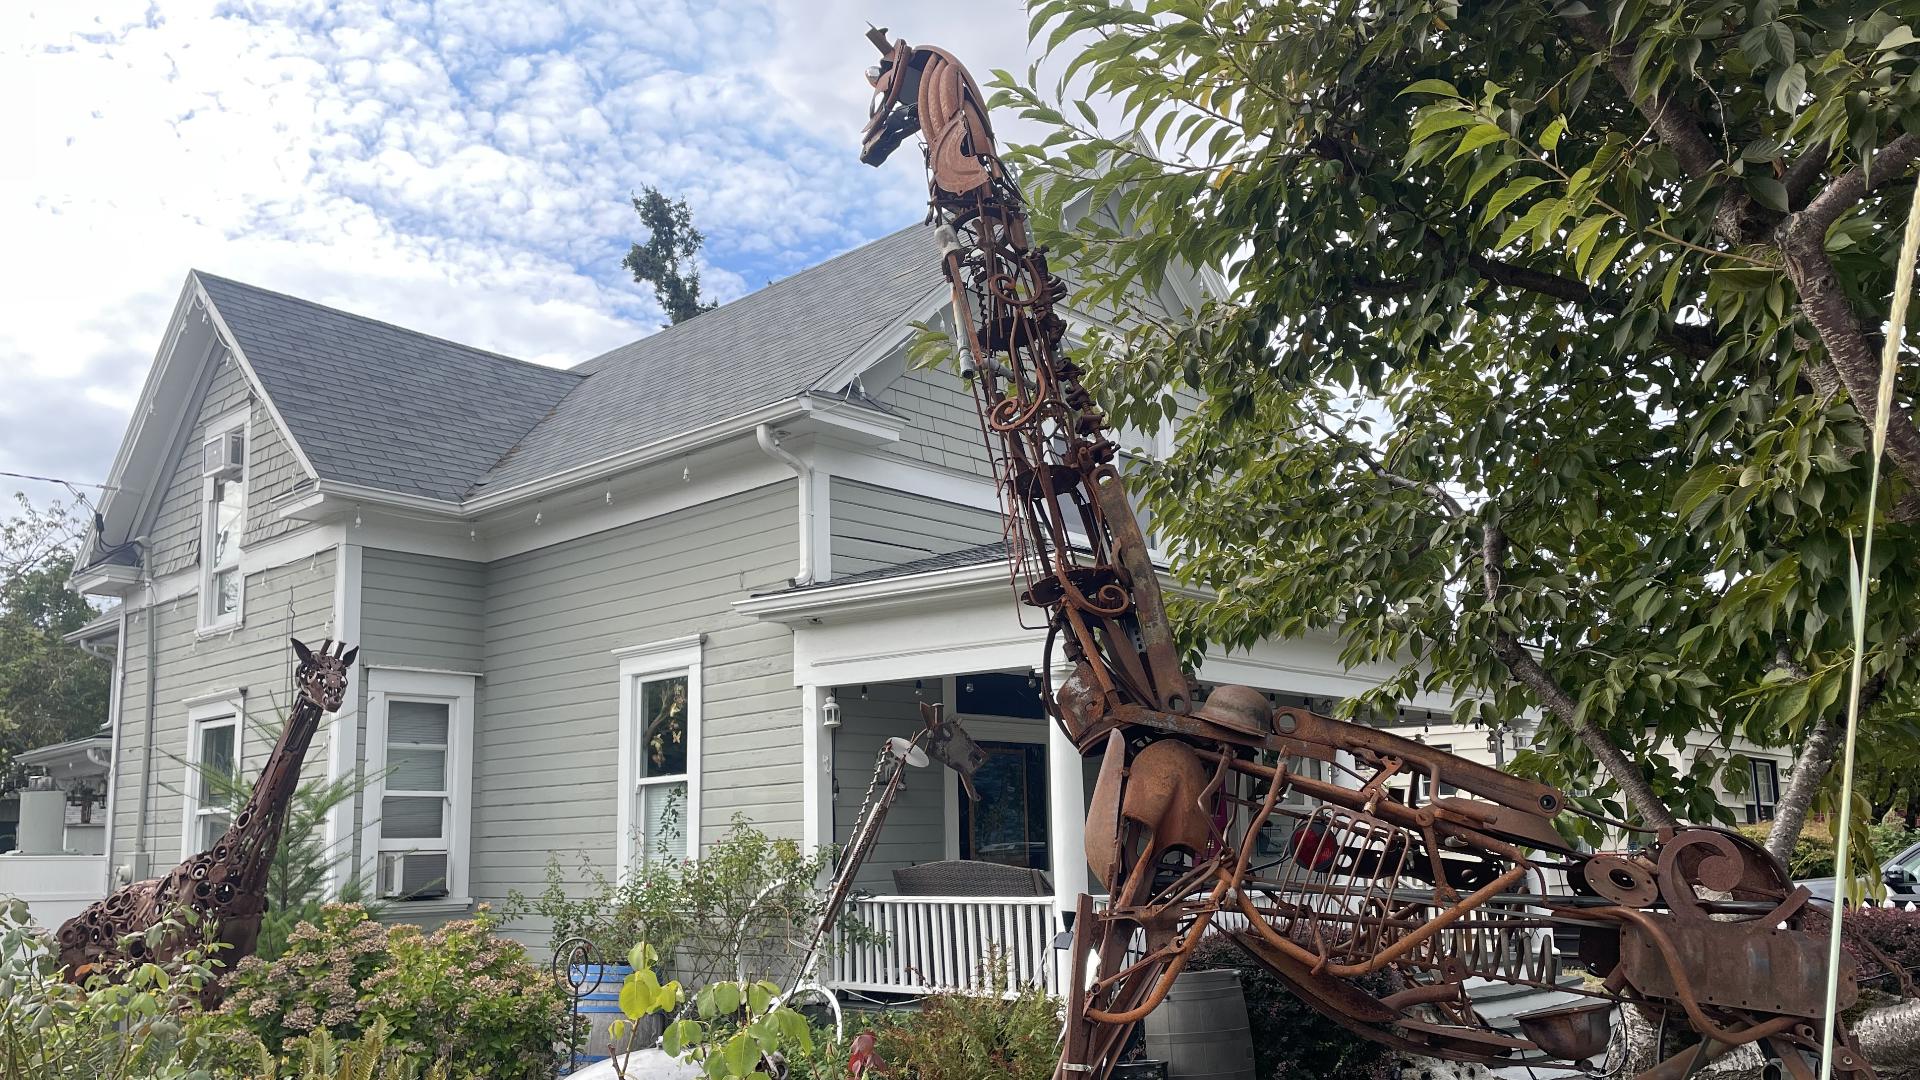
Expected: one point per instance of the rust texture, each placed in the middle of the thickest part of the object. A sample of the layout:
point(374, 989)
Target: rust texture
point(1374, 875)
point(225, 887)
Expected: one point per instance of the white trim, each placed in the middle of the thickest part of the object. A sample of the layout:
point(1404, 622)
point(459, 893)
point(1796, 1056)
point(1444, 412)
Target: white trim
point(220, 427)
point(681, 655)
point(816, 769)
point(886, 340)
point(223, 696)
point(410, 670)
point(253, 379)
point(223, 709)
point(343, 733)
point(457, 693)
point(950, 785)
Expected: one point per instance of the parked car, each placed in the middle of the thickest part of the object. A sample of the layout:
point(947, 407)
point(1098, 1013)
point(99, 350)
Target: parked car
point(1901, 874)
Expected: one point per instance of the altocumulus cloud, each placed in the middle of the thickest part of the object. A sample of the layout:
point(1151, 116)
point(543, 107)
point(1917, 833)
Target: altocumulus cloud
point(461, 169)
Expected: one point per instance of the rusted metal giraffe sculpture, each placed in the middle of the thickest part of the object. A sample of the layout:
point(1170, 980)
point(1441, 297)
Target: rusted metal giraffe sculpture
point(1382, 872)
point(226, 885)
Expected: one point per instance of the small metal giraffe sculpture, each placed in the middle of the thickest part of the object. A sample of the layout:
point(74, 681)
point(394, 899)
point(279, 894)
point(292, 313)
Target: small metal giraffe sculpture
point(1393, 858)
point(225, 885)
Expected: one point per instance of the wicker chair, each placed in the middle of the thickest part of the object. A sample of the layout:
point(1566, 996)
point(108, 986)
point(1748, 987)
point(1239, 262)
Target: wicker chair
point(966, 877)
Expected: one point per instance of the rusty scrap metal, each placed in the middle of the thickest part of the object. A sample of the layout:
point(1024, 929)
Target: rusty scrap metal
point(1375, 875)
point(225, 887)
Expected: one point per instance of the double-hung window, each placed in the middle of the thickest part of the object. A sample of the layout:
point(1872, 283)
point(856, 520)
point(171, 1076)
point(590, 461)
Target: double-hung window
point(213, 771)
point(223, 461)
point(659, 771)
point(1763, 789)
point(419, 758)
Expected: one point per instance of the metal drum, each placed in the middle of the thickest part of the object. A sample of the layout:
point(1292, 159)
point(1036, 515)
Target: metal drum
point(1200, 1030)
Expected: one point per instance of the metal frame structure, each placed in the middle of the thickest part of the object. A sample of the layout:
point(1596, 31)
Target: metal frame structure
point(1700, 925)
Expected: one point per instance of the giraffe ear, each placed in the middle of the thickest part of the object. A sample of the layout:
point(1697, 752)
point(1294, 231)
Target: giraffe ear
point(301, 650)
point(346, 661)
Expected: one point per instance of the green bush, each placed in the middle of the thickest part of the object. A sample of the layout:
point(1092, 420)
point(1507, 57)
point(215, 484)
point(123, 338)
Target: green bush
point(968, 1037)
point(136, 1022)
point(1290, 1040)
point(740, 908)
point(461, 996)
point(1813, 855)
point(1890, 838)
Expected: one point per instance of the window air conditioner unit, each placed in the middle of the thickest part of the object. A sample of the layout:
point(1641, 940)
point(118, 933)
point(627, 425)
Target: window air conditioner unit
point(415, 875)
point(223, 456)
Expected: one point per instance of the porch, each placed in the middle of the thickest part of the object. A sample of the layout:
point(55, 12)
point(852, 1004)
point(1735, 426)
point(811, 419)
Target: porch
point(868, 651)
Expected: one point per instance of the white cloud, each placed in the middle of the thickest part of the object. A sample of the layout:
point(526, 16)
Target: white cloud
point(462, 169)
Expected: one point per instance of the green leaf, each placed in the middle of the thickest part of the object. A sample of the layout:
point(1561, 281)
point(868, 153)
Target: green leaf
point(1790, 88)
point(1895, 38)
point(1550, 138)
point(1477, 138)
point(759, 995)
point(726, 998)
point(1506, 195)
point(1485, 174)
point(741, 1054)
point(1439, 119)
point(1767, 191)
point(1439, 87)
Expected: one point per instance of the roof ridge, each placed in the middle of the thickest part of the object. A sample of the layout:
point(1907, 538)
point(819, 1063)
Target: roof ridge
point(409, 331)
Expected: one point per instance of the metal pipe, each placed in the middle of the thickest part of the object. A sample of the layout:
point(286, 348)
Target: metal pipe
point(116, 708)
point(763, 434)
point(140, 853)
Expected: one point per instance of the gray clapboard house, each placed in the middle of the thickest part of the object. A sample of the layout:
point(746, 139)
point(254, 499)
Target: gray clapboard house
point(602, 611)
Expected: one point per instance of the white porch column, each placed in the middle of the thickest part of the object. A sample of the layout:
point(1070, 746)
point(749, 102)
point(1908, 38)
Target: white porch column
point(1067, 810)
point(816, 769)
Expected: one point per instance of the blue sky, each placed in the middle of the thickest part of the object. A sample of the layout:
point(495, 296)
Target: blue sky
point(462, 169)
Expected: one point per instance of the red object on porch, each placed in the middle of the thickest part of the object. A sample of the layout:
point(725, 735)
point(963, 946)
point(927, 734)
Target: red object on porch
point(1314, 849)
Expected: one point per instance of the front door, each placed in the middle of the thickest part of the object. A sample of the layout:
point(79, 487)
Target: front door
point(1009, 823)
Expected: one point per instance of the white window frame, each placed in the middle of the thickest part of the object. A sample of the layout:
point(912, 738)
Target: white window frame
point(228, 708)
point(456, 691)
point(640, 664)
point(240, 420)
point(1758, 812)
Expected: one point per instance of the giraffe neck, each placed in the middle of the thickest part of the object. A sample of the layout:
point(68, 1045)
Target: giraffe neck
point(251, 842)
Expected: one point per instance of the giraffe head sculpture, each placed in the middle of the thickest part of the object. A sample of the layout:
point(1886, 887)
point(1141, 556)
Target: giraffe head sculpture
point(322, 676)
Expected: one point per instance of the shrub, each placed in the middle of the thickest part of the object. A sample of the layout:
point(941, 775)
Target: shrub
point(1894, 931)
point(1290, 1040)
point(461, 995)
point(964, 1037)
point(737, 909)
point(140, 1023)
point(1812, 856)
point(1890, 838)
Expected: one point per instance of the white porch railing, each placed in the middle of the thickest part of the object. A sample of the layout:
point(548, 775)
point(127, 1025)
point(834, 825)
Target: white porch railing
point(931, 944)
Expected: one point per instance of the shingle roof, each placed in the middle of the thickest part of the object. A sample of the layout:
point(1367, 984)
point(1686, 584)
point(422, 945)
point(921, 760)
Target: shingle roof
point(380, 405)
point(765, 347)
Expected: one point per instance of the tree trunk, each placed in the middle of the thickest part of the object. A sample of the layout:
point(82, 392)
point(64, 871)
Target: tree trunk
point(1816, 760)
point(1913, 807)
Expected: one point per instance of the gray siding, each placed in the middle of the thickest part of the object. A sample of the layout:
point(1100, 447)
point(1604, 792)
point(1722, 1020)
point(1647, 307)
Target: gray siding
point(272, 471)
point(915, 829)
point(547, 732)
point(943, 425)
point(875, 527)
point(288, 601)
point(416, 611)
point(421, 611)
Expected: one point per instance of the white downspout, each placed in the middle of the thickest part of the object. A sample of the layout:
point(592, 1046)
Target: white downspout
point(763, 434)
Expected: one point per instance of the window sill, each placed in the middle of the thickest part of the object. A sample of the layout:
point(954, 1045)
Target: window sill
point(221, 629)
point(399, 910)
